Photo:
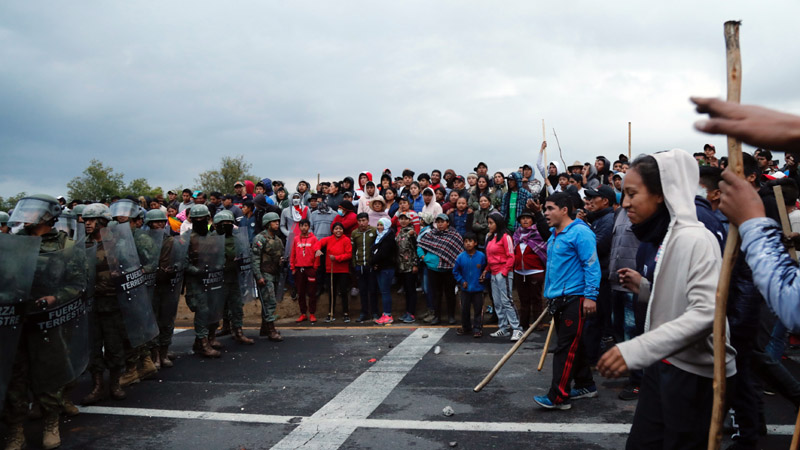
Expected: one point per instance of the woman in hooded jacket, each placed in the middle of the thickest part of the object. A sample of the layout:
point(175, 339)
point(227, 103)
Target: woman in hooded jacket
point(282, 198)
point(499, 189)
point(480, 220)
point(384, 254)
point(678, 265)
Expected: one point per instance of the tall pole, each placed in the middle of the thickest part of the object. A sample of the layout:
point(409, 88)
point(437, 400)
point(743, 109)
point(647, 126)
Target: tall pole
point(544, 138)
point(734, 63)
point(629, 140)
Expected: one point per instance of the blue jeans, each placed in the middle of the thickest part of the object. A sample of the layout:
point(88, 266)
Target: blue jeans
point(507, 317)
point(384, 277)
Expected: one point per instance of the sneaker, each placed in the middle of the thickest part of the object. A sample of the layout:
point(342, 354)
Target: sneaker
point(330, 319)
point(544, 402)
point(361, 318)
point(353, 292)
point(630, 392)
point(477, 334)
point(587, 392)
point(409, 318)
point(419, 289)
point(452, 320)
point(312, 318)
point(500, 333)
point(301, 318)
point(461, 331)
point(346, 318)
point(435, 321)
point(385, 319)
point(401, 291)
point(516, 335)
point(375, 317)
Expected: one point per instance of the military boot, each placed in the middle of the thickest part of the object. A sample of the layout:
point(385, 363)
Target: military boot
point(15, 440)
point(51, 438)
point(273, 332)
point(155, 357)
point(238, 336)
point(226, 328)
point(98, 391)
point(212, 338)
point(165, 361)
point(131, 375)
point(172, 356)
point(264, 328)
point(148, 368)
point(69, 408)
point(35, 413)
point(205, 349)
point(114, 386)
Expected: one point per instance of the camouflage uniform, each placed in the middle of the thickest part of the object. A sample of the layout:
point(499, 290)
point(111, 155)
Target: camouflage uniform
point(38, 356)
point(267, 252)
point(109, 340)
point(194, 289)
point(163, 293)
point(231, 289)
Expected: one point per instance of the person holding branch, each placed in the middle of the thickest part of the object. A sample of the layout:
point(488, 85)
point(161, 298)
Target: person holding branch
point(572, 279)
point(678, 266)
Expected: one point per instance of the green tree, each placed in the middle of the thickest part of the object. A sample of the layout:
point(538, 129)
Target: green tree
point(138, 187)
point(232, 169)
point(10, 202)
point(97, 182)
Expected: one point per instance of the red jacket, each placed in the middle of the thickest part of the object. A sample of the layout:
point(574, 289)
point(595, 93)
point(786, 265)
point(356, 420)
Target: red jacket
point(350, 222)
point(341, 249)
point(303, 252)
point(527, 261)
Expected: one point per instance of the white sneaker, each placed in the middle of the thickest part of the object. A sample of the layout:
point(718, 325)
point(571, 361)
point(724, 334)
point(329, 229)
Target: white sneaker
point(419, 289)
point(353, 292)
point(517, 335)
point(500, 333)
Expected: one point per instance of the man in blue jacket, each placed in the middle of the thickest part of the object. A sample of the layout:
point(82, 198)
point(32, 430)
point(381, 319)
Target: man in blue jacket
point(571, 283)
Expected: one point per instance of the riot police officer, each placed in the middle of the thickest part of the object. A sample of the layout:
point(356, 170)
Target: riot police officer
point(4, 228)
point(267, 253)
point(204, 251)
point(223, 225)
point(42, 362)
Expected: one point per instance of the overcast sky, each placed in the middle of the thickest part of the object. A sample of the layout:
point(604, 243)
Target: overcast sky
point(163, 90)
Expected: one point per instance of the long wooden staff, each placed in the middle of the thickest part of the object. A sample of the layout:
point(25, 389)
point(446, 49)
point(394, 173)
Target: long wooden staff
point(734, 62)
point(787, 229)
point(559, 150)
point(546, 344)
point(508, 354)
point(629, 140)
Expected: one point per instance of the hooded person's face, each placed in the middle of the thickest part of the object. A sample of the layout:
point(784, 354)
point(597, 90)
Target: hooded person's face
point(370, 190)
point(302, 187)
point(599, 165)
point(552, 169)
point(640, 203)
point(362, 180)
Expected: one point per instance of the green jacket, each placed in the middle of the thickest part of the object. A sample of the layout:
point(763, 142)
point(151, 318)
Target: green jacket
point(362, 245)
point(267, 252)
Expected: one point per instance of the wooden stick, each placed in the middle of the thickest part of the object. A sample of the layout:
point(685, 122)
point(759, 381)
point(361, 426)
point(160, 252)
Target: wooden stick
point(734, 65)
point(317, 182)
point(559, 151)
point(629, 140)
point(787, 229)
point(332, 297)
point(508, 354)
point(546, 344)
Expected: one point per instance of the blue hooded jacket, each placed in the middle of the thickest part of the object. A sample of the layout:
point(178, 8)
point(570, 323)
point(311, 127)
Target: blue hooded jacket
point(572, 264)
point(268, 190)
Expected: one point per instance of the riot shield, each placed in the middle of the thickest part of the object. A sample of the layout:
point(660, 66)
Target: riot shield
point(211, 261)
point(172, 275)
point(280, 283)
point(152, 239)
point(66, 222)
point(247, 282)
point(79, 361)
point(128, 275)
point(17, 267)
point(80, 231)
point(57, 335)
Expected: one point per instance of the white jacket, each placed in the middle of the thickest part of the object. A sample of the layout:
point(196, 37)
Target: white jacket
point(681, 300)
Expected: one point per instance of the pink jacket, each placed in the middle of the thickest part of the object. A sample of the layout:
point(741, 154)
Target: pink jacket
point(500, 255)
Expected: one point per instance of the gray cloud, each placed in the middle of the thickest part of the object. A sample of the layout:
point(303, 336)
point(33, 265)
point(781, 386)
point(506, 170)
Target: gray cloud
point(301, 88)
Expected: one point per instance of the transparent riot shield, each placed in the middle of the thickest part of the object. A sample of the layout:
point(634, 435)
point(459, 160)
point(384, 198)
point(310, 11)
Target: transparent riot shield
point(67, 223)
point(280, 284)
point(80, 231)
point(128, 275)
point(170, 277)
point(57, 332)
point(149, 256)
point(211, 262)
point(247, 282)
point(17, 267)
point(81, 361)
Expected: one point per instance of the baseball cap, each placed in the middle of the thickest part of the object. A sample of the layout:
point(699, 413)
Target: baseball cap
point(443, 216)
point(602, 191)
point(238, 183)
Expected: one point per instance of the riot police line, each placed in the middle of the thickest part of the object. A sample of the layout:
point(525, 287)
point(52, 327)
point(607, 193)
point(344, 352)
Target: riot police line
point(99, 292)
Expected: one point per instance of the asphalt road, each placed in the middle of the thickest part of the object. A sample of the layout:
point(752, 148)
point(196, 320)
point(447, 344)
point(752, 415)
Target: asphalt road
point(359, 387)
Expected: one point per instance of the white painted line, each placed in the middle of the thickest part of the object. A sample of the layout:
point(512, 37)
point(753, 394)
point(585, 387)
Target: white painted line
point(325, 428)
point(431, 425)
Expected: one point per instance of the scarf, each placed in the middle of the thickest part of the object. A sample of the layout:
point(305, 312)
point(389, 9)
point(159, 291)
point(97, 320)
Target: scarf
point(654, 228)
point(531, 238)
point(387, 225)
point(298, 213)
point(444, 244)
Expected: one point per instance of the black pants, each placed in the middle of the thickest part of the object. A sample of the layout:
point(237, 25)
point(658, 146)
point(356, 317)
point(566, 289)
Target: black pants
point(674, 410)
point(597, 326)
point(742, 394)
point(409, 283)
point(569, 358)
point(474, 301)
point(443, 283)
point(341, 284)
point(368, 291)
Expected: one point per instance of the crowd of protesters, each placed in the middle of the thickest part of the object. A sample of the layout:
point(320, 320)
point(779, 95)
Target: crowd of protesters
point(587, 242)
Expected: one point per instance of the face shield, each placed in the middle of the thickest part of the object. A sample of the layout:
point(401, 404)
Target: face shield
point(124, 208)
point(33, 211)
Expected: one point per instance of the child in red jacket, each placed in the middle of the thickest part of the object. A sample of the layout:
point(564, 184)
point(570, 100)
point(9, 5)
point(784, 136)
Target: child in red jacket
point(340, 251)
point(304, 264)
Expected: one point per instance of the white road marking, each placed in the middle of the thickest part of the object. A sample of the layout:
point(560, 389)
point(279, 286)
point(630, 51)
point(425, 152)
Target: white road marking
point(361, 397)
point(435, 425)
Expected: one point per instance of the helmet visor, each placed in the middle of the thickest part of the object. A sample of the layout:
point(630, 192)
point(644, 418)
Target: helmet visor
point(33, 211)
point(124, 208)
